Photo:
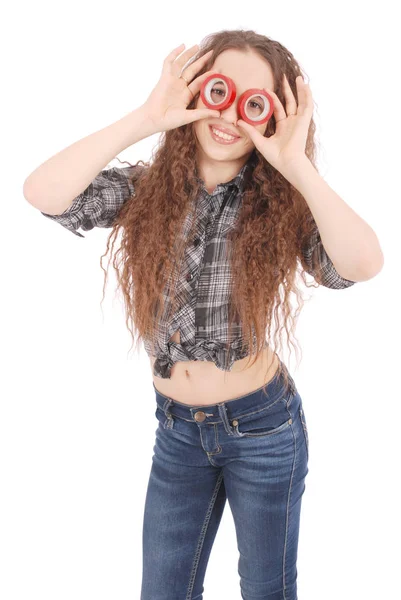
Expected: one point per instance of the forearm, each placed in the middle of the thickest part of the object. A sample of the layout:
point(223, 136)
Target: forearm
point(54, 184)
point(349, 241)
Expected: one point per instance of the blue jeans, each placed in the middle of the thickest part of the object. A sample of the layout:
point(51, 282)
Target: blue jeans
point(253, 451)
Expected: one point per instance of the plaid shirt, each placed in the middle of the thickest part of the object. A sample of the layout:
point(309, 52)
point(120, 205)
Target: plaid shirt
point(204, 285)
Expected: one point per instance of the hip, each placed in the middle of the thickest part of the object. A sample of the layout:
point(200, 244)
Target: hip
point(268, 422)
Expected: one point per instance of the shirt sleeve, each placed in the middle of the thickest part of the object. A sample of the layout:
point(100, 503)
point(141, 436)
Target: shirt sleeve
point(317, 263)
point(98, 205)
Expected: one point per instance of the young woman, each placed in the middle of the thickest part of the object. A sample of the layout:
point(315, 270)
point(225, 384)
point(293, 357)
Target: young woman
point(213, 233)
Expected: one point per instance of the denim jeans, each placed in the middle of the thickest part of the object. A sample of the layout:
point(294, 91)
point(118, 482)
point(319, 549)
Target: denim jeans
point(253, 451)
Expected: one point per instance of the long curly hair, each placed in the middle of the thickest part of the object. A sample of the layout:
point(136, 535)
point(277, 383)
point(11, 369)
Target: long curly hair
point(273, 225)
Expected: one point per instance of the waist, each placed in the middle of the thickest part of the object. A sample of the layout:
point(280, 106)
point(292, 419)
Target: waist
point(202, 382)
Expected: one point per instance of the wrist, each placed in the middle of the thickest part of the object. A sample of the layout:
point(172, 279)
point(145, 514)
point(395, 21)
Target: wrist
point(299, 171)
point(139, 125)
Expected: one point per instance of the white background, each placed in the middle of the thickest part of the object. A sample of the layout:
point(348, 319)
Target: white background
point(77, 409)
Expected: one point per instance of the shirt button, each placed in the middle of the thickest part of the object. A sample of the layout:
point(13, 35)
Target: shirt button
point(189, 276)
point(196, 241)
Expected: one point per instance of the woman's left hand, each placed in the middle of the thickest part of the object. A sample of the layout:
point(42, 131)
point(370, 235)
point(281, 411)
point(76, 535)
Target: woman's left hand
point(286, 146)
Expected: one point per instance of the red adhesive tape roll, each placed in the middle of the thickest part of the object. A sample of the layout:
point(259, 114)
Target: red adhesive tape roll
point(218, 91)
point(263, 109)
point(255, 106)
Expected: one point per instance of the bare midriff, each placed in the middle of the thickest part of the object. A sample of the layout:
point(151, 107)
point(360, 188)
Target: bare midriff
point(203, 383)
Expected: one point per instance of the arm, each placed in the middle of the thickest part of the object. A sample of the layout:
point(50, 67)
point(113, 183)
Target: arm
point(55, 184)
point(317, 263)
point(100, 202)
point(350, 242)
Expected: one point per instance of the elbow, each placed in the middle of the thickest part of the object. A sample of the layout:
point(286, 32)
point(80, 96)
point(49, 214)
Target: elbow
point(374, 267)
point(39, 201)
point(368, 269)
point(35, 199)
point(373, 261)
point(373, 264)
point(369, 265)
point(27, 192)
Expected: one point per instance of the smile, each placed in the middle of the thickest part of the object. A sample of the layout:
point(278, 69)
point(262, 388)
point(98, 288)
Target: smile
point(222, 138)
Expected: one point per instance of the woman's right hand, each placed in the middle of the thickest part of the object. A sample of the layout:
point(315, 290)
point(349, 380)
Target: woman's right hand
point(166, 106)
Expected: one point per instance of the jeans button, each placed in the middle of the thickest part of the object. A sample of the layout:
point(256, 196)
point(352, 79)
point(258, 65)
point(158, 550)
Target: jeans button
point(199, 416)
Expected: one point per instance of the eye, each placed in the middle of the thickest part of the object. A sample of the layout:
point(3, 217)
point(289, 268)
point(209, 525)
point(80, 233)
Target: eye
point(217, 92)
point(255, 106)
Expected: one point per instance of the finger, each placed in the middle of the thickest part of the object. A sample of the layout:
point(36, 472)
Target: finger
point(173, 55)
point(197, 114)
point(196, 66)
point(278, 109)
point(180, 62)
point(250, 129)
point(305, 101)
point(196, 84)
point(290, 102)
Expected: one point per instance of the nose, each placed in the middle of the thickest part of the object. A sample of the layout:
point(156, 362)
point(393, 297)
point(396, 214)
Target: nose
point(230, 114)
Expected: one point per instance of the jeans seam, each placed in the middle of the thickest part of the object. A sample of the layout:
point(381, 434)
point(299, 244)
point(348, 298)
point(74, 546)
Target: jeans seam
point(202, 536)
point(287, 518)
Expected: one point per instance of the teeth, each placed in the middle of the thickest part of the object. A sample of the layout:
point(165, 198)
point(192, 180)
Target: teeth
point(223, 135)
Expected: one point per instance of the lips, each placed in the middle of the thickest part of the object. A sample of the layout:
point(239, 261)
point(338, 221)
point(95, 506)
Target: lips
point(221, 141)
point(224, 130)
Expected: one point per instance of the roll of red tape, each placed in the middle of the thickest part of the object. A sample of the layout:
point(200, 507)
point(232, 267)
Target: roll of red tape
point(257, 116)
point(215, 83)
point(219, 91)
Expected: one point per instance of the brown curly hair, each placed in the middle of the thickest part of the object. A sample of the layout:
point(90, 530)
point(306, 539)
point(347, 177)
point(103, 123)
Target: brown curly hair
point(273, 225)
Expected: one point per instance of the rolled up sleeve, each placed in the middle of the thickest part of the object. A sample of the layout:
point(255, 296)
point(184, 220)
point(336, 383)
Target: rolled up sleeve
point(317, 263)
point(99, 204)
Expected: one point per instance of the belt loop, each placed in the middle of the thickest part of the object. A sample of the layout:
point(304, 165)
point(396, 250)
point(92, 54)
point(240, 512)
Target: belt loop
point(292, 386)
point(167, 405)
point(169, 422)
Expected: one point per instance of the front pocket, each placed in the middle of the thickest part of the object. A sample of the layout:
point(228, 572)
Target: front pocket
point(264, 423)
